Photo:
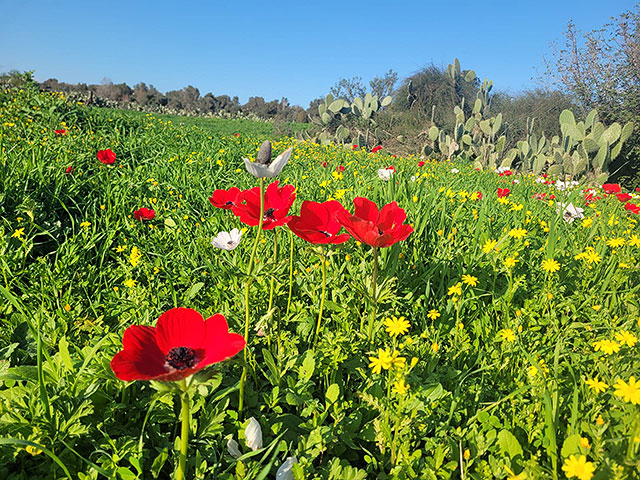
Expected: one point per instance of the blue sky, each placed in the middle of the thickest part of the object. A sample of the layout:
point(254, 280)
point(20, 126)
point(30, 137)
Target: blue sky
point(287, 49)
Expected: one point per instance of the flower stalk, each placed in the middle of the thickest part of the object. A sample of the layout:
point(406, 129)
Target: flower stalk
point(243, 378)
point(374, 295)
point(323, 259)
point(184, 433)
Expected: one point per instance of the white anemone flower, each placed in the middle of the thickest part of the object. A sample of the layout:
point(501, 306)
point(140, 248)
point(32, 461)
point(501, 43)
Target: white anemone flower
point(253, 435)
point(454, 170)
point(227, 240)
point(233, 448)
point(263, 166)
point(570, 212)
point(385, 174)
point(285, 472)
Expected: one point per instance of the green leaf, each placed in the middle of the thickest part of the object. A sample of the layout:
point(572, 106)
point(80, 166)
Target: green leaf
point(63, 348)
point(509, 444)
point(570, 446)
point(169, 223)
point(332, 393)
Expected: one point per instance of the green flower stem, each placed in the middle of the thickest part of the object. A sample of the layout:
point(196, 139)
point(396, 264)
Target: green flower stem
point(243, 378)
point(374, 295)
point(323, 259)
point(184, 434)
point(290, 271)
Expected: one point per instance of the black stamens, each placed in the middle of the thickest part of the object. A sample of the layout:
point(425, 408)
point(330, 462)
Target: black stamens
point(181, 358)
point(326, 234)
point(268, 214)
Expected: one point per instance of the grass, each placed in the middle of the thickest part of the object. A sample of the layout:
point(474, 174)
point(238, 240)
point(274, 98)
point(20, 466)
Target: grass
point(506, 353)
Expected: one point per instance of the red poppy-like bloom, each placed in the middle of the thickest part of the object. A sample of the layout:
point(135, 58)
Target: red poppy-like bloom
point(62, 131)
point(236, 135)
point(317, 222)
point(392, 168)
point(324, 164)
point(479, 195)
point(378, 228)
point(503, 192)
point(277, 202)
point(106, 156)
point(144, 214)
point(632, 207)
point(339, 169)
point(68, 170)
point(376, 149)
point(421, 163)
point(354, 147)
point(506, 173)
point(624, 197)
point(611, 188)
point(226, 199)
point(181, 344)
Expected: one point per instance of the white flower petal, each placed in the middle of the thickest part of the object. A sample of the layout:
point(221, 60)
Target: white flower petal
point(285, 472)
point(279, 163)
point(233, 448)
point(253, 435)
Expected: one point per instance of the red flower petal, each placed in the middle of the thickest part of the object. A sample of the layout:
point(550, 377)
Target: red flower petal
point(180, 327)
point(365, 209)
point(141, 359)
point(218, 343)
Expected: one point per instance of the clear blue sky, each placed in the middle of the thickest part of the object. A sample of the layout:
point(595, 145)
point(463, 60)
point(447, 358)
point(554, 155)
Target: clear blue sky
point(293, 49)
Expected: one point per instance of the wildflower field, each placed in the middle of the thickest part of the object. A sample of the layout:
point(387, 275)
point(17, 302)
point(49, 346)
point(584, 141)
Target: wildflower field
point(485, 325)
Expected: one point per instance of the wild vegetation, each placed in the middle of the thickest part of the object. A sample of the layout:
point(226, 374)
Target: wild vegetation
point(490, 334)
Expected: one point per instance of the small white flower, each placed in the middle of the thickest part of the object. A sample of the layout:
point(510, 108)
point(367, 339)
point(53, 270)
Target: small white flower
point(227, 240)
point(385, 174)
point(233, 448)
point(501, 169)
point(263, 166)
point(516, 181)
point(570, 212)
point(413, 178)
point(285, 472)
point(454, 170)
point(253, 434)
point(540, 180)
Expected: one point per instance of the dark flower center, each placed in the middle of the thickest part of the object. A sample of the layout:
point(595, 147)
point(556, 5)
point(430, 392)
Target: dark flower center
point(380, 232)
point(230, 203)
point(268, 214)
point(181, 358)
point(326, 234)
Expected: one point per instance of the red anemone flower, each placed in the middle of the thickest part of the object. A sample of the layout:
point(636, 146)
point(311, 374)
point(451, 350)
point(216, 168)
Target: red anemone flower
point(236, 135)
point(62, 131)
point(354, 147)
point(277, 202)
point(479, 194)
point(317, 222)
point(181, 344)
point(324, 164)
point(611, 188)
point(632, 207)
point(624, 197)
point(378, 228)
point(503, 192)
point(106, 156)
point(144, 214)
point(392, 168)
point(421, 163)
point(226, 199)
point(339, 169)
point(376, 149)
point(68, 170)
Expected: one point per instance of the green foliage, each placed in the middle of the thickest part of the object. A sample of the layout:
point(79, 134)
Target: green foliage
point(498, 384)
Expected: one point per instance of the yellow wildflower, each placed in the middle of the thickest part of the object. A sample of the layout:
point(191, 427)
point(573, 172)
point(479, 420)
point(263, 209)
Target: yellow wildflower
point(470, 280)
point(135, 256)
point(433, 314)
point(489, 245)
point(596, 385)
point(629, 392)
point(19, 233)
point(400, 387)
point(578, 467)
point(455, 289)
point(606, 346)
point(396, 326)
point(625, 337)
point(518, 233)
point(507, 335)
point(550, 265)
point(510, 262)
point(616, 242)
point(382, 361)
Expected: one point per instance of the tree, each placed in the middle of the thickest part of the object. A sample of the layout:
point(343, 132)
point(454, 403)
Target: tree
point(348, 89)
point(383, 87)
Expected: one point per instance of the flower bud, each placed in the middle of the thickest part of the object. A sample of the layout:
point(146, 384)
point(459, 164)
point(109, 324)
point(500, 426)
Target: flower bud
point(253, 435)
